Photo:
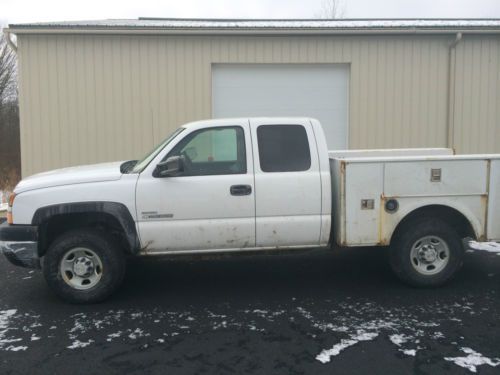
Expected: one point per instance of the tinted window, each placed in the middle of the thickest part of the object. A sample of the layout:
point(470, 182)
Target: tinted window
point(212, 151)
point(283, 148)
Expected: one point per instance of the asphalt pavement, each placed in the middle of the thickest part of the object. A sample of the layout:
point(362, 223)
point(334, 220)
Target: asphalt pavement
point(322, 312)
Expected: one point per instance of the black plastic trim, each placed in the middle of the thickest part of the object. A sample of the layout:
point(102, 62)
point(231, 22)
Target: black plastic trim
point(18, 233)
point(117, 210)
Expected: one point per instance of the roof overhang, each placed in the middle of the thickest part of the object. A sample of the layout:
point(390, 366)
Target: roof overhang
point(154, 26)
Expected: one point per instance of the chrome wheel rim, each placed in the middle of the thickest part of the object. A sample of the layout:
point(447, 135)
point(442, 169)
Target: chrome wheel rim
point(430, 255)
point(81, 268)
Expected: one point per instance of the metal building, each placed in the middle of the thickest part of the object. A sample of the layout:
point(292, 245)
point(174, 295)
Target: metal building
point(109, 90)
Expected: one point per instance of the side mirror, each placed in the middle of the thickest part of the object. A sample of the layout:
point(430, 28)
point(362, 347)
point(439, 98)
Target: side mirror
point(173, 166)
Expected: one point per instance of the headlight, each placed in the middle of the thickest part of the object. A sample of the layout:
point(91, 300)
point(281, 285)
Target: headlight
point(10, 219)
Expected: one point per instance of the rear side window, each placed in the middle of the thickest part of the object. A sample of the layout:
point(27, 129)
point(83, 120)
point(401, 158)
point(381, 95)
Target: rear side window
point(283, 148)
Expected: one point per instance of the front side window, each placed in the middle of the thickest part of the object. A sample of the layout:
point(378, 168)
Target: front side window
point(283, 148)
point(214, 151)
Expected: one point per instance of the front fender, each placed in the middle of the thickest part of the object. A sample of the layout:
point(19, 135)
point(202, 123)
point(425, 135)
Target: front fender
point(118, 210)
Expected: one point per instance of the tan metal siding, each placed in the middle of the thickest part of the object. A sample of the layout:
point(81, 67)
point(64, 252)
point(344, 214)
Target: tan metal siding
point(92, 98)
point(477, 95)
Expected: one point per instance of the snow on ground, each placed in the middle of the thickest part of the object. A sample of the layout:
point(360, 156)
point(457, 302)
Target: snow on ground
point(338, 329)
point(472, 360)
point(491, 247)
point(137, 334)
point(115, 335)
point(80, 344)
point(399, 339)
point(5, 326)
point(3, 207)
point(5, 316)
point(325, 355)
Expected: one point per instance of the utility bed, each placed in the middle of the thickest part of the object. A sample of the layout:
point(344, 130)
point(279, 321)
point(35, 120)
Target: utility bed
point(373, 190)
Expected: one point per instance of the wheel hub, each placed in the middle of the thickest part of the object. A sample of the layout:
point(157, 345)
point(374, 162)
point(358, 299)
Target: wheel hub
point(428, 254)
point(83, 266)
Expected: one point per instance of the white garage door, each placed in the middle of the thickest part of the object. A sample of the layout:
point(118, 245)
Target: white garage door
point(307, 90)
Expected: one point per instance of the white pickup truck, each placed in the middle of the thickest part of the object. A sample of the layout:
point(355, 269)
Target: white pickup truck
point(239, 185)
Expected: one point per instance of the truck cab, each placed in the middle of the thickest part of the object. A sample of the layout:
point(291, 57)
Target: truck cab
point(236, 184)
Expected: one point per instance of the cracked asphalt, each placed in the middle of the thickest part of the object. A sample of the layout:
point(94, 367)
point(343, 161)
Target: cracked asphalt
point(309, 313)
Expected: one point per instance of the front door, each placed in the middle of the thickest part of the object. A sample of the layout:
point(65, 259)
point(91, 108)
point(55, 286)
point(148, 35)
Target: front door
point(211, 204)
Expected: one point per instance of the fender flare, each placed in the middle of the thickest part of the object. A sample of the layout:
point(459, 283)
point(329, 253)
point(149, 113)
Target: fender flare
point(460, 209)
point(118, 210)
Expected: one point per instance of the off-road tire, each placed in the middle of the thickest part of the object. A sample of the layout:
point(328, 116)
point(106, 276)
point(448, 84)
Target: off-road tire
point(408, 235)
point(111, 256)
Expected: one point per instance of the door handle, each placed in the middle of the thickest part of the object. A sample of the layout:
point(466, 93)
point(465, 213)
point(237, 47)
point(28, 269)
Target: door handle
point(241, 190)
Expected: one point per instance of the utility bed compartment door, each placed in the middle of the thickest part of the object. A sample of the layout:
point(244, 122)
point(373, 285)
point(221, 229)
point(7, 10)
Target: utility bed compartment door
point(364, 186)
point(414, 178)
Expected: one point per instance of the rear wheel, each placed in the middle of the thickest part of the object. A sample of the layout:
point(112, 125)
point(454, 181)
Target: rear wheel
point(84, 266)
point(426, 252)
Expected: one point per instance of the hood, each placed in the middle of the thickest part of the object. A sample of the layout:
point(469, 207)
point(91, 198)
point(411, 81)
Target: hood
point(72, 175)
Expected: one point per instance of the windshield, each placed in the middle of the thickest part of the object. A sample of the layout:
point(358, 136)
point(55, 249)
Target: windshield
point(141, 164)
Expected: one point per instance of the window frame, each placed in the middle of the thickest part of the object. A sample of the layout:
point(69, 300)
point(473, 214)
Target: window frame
point(239, 142)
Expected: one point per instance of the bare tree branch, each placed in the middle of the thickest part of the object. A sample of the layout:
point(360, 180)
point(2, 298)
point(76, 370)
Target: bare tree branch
point(10, 159)
point(331, 9)
point(8, 90)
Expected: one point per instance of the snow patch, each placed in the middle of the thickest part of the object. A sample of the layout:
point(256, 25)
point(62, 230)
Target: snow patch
point(437, 335)
point(412, 352)
point(399, 339)
point(490, 247)
point(137, 334)
point(80, 344)
point(325, 355)
point(16, 348)
point(5, 316)
point(112, 336)
point(472, 360)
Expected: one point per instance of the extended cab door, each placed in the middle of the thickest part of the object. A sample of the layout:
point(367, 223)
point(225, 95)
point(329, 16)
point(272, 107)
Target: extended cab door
point(211, 204)
point(287, 183)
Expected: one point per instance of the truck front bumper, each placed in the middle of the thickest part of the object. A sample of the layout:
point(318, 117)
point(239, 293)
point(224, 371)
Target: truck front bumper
point(19, 243)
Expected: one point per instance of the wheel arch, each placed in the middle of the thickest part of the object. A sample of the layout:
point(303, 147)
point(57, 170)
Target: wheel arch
point(464, 222)
point(57, 219)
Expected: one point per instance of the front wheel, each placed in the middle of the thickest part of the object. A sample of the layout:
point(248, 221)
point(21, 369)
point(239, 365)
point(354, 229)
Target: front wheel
point(426, 252)
point(84, 266)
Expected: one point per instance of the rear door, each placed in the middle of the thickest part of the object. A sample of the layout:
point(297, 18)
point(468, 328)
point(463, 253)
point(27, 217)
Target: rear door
point(287, 183)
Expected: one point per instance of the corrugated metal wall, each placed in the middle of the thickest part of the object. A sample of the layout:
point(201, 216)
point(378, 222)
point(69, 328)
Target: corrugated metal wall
point(476, 122)
point(92, 98)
